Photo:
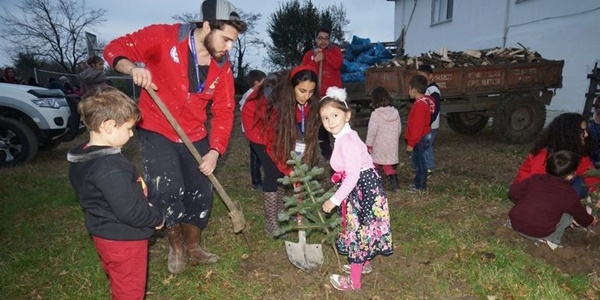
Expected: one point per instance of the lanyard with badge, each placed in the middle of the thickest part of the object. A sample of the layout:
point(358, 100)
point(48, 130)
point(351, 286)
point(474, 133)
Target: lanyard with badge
point(193, 42)
point(300, 145)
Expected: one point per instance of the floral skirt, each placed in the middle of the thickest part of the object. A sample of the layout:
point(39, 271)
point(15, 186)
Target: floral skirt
point(367, 232)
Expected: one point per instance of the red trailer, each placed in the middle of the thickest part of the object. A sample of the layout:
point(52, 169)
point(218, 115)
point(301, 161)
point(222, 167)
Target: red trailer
point(514, 95)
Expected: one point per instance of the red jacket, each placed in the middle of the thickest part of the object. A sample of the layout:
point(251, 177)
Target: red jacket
point(536, 164)
point(253, 113)
point(257, 132)
point(332, 66)
point(419, 120)
point(540, 202)
point(164, 51)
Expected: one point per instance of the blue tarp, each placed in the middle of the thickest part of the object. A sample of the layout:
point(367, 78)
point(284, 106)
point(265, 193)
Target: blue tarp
point(361, 54)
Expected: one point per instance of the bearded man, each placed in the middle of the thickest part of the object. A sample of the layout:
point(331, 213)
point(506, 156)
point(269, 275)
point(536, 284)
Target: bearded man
point(188, 66)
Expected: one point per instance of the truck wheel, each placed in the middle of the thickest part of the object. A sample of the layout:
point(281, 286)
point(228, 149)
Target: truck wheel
point(519, 119)
point(18, 143)
point(466, 123)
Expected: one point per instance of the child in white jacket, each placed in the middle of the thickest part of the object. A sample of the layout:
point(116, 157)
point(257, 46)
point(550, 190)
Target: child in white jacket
point(383, 134)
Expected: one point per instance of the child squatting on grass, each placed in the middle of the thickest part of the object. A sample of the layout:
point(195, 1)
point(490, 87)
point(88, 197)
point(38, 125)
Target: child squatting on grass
point(546, 204)
point(112, 194)
point(366, 230)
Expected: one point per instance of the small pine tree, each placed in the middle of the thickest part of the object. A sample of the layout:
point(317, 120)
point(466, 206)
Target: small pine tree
point(307, 201)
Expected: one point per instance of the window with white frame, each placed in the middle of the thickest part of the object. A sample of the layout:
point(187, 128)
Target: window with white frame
point(441, 11)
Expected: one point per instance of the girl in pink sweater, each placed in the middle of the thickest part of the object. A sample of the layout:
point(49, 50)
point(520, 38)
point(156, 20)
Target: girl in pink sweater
point(383, 134)
point(363, 203)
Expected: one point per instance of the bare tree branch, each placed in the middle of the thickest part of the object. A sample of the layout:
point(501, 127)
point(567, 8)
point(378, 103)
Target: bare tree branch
point(51, 30)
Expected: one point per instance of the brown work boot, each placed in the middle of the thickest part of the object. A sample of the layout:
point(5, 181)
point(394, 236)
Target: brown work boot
point(195, 253)
point(176, 261)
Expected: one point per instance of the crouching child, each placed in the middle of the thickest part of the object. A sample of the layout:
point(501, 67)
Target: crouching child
point(546, 204)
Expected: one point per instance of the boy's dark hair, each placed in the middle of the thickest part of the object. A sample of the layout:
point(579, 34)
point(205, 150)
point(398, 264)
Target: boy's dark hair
point(323, 29)
point(419, 83)
point(426, 69)
point(380, 98)
point(562, 163)
point(255, 75)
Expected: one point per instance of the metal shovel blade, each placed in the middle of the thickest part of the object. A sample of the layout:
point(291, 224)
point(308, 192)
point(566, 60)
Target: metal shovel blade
point(304, 256)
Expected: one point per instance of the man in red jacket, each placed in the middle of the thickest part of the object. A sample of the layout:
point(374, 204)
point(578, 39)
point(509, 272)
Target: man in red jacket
point(188, 66)
point(328, 59)
point(331, 58)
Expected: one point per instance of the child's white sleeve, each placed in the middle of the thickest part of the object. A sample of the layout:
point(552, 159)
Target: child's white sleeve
point(335, 201)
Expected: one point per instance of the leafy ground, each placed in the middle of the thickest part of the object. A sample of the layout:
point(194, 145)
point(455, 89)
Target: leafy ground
point(450, 242)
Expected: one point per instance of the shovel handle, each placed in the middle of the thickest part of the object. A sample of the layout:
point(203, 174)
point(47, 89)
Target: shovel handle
point(298, 188)
point(320, 76)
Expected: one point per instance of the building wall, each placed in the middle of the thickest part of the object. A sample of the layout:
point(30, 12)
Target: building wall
point(557, 29)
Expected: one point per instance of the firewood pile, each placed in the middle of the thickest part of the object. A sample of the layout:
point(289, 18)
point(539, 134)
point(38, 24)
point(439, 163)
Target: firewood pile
point(467, 58)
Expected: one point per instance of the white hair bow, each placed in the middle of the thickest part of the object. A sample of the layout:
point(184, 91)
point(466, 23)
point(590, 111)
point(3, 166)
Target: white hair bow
point(336, 93)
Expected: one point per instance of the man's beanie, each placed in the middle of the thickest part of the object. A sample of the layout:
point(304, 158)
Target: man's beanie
point(212, 10)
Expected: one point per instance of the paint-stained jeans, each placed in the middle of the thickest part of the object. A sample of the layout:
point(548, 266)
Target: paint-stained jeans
point(174, 181)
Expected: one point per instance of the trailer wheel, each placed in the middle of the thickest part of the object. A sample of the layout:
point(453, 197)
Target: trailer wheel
point(519, 118)
point(18, 143)
point(466, 123)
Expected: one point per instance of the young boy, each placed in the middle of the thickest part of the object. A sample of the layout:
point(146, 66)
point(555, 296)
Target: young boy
point(255, 79)
point(112, 194)
point(546, 204)
point(433, 91)
point(418, 128)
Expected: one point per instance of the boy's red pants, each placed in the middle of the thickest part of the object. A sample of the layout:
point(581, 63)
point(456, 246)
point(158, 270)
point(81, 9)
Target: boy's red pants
point(126, 264)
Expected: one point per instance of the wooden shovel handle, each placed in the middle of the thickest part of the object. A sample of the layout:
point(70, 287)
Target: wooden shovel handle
point(298, 189)
point(320, 76)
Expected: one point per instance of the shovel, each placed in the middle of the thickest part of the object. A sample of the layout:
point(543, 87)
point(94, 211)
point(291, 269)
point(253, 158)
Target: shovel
point(302, 255)
point(235, 208)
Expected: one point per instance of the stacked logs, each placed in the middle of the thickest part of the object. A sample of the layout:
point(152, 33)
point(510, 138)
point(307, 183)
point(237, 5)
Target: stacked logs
point(467, 58)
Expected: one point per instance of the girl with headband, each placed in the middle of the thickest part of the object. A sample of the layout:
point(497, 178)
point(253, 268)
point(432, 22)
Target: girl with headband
point(366, 230)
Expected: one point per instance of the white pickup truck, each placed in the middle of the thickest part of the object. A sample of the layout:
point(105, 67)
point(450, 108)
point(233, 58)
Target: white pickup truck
point(34, 118)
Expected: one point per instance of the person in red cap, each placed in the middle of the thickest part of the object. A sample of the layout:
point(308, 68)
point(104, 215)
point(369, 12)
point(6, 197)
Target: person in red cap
point(278, 118)
point(188, 66)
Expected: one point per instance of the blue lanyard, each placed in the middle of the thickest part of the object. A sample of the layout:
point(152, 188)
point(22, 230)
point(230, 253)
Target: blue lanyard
point(193, 42)
point(301, 119)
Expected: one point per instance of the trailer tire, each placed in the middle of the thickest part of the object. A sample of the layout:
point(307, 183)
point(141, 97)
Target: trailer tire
point(18, 143)
point(466, 123)
point(518, 119)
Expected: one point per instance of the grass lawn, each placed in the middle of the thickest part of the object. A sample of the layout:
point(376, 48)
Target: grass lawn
point(450, 242)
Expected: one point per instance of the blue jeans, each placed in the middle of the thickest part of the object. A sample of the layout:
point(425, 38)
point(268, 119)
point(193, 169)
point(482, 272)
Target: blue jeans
point(418, 160)
point(429, 159)
point(579, 186)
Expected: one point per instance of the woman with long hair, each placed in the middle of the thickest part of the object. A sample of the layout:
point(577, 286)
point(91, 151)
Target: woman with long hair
point(281, 117)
